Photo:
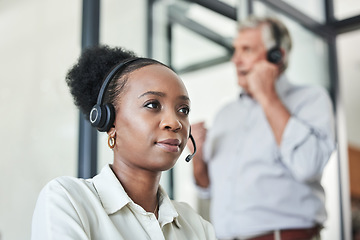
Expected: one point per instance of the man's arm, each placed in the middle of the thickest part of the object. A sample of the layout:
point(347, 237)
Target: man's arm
point(309, 138)
point(305, 139)
point(261, 82)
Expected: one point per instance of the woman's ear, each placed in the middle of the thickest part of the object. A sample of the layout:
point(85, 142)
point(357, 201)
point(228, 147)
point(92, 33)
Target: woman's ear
point(112, 132)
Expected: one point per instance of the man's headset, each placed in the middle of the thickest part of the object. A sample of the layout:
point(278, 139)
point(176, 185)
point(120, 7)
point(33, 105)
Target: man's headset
point(103, 116)
point(274, 54)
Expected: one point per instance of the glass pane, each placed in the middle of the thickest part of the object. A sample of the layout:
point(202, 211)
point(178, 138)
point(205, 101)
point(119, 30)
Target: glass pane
point(123, 25)
point(346, 8)
point(183, 54)
point(232, 3)
point(349, 71)
point(315, 9)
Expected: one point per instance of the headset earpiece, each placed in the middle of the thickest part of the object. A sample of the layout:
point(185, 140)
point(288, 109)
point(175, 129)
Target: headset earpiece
point(103, 116)
point(109, 117)
point(274, 55)
point(96, 116)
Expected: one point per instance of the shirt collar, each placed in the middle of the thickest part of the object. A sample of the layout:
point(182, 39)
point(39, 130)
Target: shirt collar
point(111, 193)
point(113, 197)
point(167, 211)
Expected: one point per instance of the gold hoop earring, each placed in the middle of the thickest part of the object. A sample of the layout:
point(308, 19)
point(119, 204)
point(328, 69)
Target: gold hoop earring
point(111, 142)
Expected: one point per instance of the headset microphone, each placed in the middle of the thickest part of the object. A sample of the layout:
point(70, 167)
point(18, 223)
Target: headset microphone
point(189, 157)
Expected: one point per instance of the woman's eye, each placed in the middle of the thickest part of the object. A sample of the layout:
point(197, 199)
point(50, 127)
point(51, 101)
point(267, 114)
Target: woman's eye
point(152, 105)
point(185, 110)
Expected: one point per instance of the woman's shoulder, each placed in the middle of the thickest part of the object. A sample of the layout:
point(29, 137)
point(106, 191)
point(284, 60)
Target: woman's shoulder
point(66, 187)
point(67, 182)
point(183, 207)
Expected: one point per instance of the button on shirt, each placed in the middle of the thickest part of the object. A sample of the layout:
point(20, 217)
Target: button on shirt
point(258, 186)
point(99, 208)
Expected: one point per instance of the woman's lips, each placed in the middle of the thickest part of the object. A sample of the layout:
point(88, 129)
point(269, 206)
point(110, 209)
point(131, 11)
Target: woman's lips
point(169, 145)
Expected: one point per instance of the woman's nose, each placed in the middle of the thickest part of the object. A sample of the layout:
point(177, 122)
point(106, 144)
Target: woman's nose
point(171, 122)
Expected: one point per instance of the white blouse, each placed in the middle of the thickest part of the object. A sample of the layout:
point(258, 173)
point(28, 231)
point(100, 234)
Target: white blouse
point(99, 208)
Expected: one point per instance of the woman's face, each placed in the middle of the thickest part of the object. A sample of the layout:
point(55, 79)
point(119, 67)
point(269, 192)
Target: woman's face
point(152, 124)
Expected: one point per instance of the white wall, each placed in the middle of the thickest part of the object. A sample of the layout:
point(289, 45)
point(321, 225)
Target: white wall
point(39, 39)
point(349, 65)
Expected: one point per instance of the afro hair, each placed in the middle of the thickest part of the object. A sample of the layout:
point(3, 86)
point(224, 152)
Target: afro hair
point(87, 75)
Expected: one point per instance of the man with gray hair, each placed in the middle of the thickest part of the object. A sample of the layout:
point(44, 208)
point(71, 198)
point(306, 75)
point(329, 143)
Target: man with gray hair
point(261, 162)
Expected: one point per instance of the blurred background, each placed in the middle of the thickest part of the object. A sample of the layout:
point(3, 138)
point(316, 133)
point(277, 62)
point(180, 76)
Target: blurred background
point(44, 136)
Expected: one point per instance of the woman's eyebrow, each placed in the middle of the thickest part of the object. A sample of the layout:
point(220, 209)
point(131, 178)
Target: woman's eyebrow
point(160, 94)
point(184, 97)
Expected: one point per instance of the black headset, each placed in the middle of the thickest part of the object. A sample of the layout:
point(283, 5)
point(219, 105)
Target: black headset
point(103, 116)
point(274, 54)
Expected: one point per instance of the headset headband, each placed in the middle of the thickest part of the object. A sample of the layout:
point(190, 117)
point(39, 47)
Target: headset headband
point(274, 54)
point(110, 76)
point(276, 32)
point(102, 115)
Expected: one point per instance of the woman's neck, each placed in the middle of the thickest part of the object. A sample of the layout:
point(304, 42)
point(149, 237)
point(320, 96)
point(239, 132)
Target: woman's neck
point(141, 185)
